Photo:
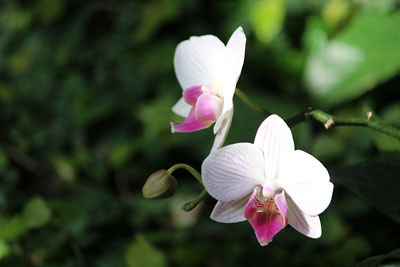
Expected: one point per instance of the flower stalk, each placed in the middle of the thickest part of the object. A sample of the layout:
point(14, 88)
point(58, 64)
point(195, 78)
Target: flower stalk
point(193, 204)
point(250, 103)
point(188, 168)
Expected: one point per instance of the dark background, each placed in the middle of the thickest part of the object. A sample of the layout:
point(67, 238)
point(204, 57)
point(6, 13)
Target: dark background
point(86, 90)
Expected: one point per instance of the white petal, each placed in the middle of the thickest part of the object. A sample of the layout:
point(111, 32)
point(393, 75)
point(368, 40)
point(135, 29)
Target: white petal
point(200, 61)
point(230, 212)
point(235, 57)
point(232, 172)
point(182, 108)
point(225, 125)
point(275, 140)
point(305, 224)
point(306, 180)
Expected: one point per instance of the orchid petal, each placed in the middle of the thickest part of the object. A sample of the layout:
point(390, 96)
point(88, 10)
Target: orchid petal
point(231, 173)
point(230, 212)
point(200, 60)
point(192, 93)
point(306, 180)
point(235, 55)
point(208, 107)
point(222, 133)
point(275, 140)
point(265, 217)
point(182, 108)
point(305, 224)
point(280, 201)
point(190, 124)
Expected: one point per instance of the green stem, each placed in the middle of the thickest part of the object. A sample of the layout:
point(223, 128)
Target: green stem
point(190, 169)
point(251, 104)
point(191, 205)
point(370, 120)
point(301, 117)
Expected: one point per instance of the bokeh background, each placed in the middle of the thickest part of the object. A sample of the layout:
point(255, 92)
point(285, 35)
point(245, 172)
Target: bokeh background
point(86, 90)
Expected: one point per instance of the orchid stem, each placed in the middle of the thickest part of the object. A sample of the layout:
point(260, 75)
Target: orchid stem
point(191, 205)
point(188, 168)
point(251, 104)
point(370, 120)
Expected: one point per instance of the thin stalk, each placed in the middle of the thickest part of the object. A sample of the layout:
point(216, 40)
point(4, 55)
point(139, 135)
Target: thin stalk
point(191, 205)
point(188, 168)
point(251, 104)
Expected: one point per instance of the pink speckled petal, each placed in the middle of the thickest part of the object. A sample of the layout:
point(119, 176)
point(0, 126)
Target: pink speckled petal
point(232, 172)
point(267, 219)
point(280, 201)
point(190, 124)
point(306, 181)
point(305, 224)
point(208, 107)
point(230, 212)
point(275, 140)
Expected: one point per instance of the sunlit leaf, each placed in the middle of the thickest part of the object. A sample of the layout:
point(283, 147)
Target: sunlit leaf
point(335, 10)
point(36, 213)
point(358, 59)
point(266, 17)
point(142, 253)
point(4, 249)
point(12, 228)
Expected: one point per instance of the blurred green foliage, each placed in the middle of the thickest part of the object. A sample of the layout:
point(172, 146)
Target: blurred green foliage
point(86, 90)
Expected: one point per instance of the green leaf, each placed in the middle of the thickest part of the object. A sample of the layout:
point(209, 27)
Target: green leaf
point(377, 260)
point(4, 249)
point(65, 210)
point(356, 60)
point(36, 213)
point(12, 228)
point(335, 10)
point(377, 183)
point(142, 253)
point(266, 18)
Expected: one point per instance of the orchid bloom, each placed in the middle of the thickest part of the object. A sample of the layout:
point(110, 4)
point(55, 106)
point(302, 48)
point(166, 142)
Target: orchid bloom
point(268, 183)
point(208, 71)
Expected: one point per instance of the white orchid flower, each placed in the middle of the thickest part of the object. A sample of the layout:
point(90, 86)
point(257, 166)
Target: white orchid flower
point(269, 183)
point(208, 71)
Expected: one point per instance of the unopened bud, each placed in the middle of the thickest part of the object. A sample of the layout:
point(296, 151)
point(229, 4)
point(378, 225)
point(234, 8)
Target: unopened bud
point(160, 184)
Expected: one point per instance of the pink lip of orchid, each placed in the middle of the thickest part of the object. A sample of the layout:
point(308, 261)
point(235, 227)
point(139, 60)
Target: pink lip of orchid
point(208, 71)
point(269, 183)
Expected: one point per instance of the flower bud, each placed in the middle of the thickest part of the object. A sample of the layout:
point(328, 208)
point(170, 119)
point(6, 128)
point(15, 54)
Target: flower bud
point(160, 184)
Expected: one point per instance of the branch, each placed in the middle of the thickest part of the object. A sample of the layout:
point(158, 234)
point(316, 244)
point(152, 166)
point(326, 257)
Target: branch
point(370, 120)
